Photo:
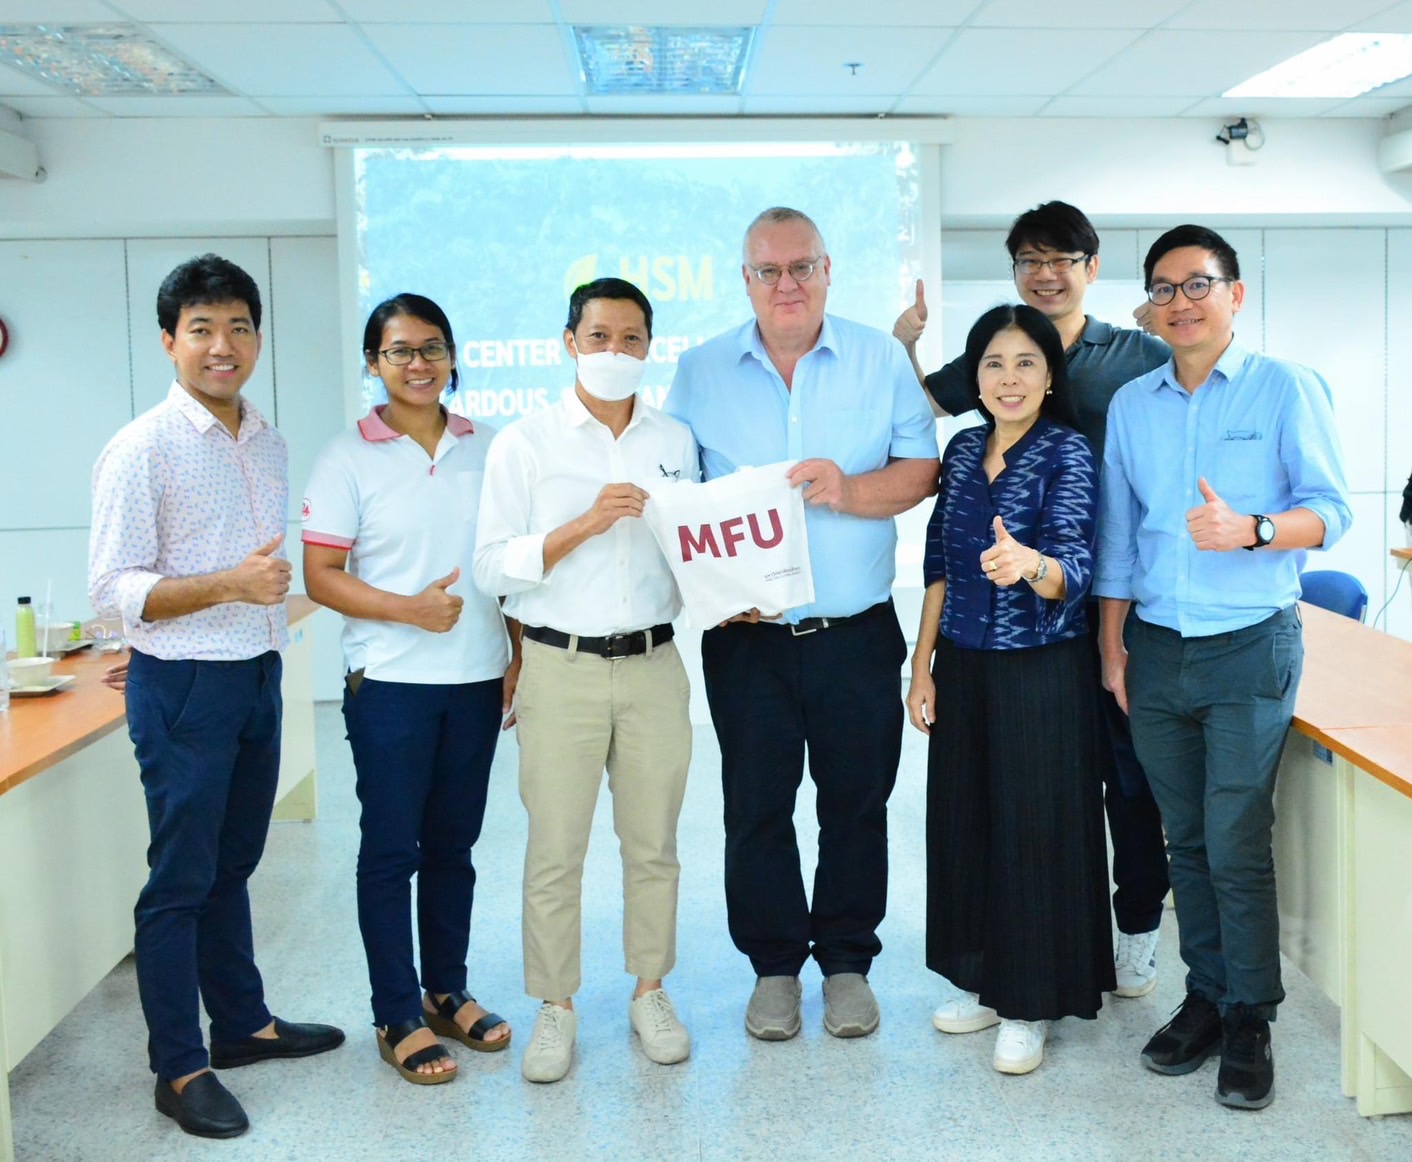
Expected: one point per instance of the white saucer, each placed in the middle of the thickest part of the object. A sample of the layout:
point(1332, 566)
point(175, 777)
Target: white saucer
point(51, 685)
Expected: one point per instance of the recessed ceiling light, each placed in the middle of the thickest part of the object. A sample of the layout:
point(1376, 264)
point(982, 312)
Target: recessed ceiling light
point(619, 59)
point(95, 60)
point(1344, 66)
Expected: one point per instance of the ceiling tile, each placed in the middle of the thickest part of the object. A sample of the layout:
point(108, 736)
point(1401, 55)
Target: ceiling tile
point(245, 12)
point(56, 12)
point(1312, 15)
point(51, 107)
point(867, 105)
point(1002, 63)
point(1194, 64)
point(302, 60)
point(1271, 107)
point(483, 59)
point(916, 13)
point(1116, 107)
point(447, 11)
point(530, 106)
point(1025, 14)
point(801, 61)
point(344, 106)
point(1370, 107)
point(662, 105)
point(963, 106)
point(177, 106)
point(653, 12)
point(1397, 18)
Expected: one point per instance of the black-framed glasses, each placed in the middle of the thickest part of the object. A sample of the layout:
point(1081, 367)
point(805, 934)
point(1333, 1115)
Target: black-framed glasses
point(1196, 288)
point(799, 271)
point(433, 352)
point(1057, 265)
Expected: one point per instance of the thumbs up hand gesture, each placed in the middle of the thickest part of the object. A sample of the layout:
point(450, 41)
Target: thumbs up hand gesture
point(913, 321)
point(434, 609)
point(1006, 562)
point(262, 578)
point(1215, 526)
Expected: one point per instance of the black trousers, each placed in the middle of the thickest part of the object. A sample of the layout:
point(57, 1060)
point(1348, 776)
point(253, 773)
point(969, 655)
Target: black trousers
point(1134, 822)
point(835, 694)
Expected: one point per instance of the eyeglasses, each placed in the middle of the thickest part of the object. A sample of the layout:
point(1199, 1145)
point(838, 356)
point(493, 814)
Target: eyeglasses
point(799, 271)
point(1195, 289)
point(433, 352)
point(1057, 265)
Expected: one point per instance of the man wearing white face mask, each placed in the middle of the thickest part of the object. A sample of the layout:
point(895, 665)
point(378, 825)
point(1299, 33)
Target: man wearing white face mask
point(561, 539)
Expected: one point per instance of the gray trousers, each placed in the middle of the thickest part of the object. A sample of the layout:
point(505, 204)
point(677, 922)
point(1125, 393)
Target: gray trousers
point(1209, 720)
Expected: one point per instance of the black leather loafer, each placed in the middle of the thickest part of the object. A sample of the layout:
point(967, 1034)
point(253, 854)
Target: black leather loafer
point(204, 1107)
point(290, 1040)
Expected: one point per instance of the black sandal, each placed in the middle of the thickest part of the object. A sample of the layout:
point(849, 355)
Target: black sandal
point(393, 1036)
point(443, 1023)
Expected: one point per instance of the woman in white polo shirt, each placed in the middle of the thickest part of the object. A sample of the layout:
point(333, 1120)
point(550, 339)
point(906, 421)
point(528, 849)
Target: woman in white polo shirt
point(389, 534)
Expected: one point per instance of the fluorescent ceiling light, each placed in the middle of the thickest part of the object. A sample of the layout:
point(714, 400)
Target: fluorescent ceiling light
point(1345, 66)
point(618, 59)
point(96, 60)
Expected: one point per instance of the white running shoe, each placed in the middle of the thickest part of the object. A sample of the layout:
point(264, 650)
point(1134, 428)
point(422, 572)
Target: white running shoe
point(965, 1014)
point(1135, 963)
point(1019, 1047)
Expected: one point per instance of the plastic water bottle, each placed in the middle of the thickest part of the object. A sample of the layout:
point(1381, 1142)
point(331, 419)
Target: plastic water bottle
point(4, 676)
point(24, 630)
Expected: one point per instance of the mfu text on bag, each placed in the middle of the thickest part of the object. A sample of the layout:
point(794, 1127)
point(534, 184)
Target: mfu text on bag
point(735, 543)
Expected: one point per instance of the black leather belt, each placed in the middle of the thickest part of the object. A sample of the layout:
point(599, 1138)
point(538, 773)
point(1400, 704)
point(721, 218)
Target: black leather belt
point(618, 645)
point(807, 625)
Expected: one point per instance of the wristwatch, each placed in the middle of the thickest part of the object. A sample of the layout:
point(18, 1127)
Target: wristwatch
point(1264, 532)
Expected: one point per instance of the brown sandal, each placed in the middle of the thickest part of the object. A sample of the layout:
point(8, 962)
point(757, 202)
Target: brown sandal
point(443, 1023)
point(393, 1036)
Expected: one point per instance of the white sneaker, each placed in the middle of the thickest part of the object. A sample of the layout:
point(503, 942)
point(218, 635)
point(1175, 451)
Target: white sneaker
point(1019, 1047)
point(1135, 963)
point(965, 1014)
point(664, 1038)
point(551, 1047)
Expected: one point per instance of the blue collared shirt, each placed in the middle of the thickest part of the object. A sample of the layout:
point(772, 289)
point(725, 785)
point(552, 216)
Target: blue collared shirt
point(1261, 432)
point(855, 401)
point(1047, 496)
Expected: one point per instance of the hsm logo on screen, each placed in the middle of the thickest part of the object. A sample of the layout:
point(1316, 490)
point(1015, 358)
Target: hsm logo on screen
point(665, 278)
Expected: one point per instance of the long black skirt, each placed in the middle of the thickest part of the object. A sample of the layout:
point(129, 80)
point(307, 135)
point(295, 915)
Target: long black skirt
point(1017, 871)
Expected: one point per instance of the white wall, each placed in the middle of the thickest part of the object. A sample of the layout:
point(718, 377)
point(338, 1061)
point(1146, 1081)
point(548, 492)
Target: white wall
point(81, 254)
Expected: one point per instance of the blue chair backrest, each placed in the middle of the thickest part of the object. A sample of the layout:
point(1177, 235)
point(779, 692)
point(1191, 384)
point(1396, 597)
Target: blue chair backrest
point(1338, 592)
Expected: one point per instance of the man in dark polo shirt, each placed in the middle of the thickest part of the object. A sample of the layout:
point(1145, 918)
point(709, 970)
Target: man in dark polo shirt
point(1054, 255)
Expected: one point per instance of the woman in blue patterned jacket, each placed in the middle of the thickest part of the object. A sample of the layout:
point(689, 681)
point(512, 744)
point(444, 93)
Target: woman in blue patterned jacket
point(1002, 681)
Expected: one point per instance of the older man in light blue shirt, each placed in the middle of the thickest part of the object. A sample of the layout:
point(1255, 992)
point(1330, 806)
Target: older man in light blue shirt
point(1220, 451)
point(843, 401)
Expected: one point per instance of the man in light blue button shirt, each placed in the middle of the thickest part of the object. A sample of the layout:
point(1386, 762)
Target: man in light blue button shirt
point(1221, 468)
point(841, 400)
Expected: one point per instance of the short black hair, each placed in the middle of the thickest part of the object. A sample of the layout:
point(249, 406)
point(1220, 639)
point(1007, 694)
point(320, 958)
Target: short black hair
point(1055, 226)
point(1058, 405)
point(606, 288)
point(1188, 235)
point(199, 281)
point(416, 307)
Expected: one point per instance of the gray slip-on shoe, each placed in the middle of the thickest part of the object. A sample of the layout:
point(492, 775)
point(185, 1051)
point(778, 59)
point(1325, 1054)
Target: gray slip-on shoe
point(850, 1009)
point(773, 1012)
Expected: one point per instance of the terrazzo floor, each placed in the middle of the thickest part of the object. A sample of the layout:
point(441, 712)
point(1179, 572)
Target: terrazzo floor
point(906, 1092)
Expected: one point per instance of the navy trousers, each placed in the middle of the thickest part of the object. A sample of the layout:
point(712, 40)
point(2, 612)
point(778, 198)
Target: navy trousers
point(422, 755)
point(837, 694)
point(1210, 716)
point(207, 740)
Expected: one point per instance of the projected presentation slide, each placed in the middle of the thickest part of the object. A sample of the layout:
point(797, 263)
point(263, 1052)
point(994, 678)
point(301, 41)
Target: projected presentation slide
point(500, 236)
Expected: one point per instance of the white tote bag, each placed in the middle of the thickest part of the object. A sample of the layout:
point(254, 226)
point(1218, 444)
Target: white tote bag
point(735, 543)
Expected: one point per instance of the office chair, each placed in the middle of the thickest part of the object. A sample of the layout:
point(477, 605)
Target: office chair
point(1338, 592)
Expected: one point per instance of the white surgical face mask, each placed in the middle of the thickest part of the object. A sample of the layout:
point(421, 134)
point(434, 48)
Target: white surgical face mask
point(610, 375)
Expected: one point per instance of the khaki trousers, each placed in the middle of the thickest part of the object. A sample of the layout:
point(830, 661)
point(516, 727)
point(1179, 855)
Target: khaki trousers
point(577, 714)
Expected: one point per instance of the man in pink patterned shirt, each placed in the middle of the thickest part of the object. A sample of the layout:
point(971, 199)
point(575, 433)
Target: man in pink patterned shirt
point(189, 508)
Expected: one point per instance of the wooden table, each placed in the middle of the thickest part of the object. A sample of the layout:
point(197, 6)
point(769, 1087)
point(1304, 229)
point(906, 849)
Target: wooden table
point(73, 837)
